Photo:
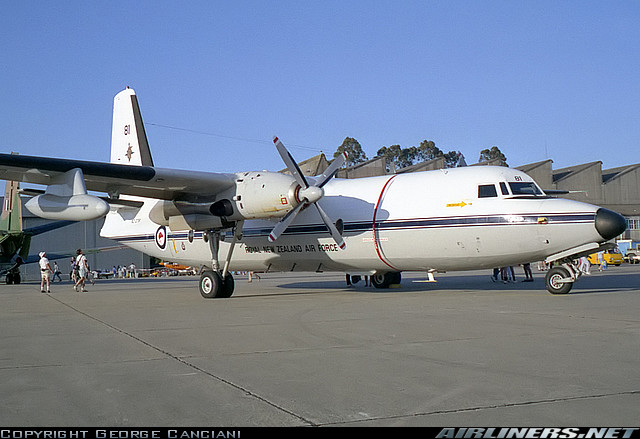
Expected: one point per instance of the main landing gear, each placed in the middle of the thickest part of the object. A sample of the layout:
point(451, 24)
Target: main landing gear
point(13, 277)
point(385, 280)
point(212, 285)
point(216, 283)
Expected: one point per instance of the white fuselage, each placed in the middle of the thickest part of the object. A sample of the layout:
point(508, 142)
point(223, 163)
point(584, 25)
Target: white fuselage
point(431, 220)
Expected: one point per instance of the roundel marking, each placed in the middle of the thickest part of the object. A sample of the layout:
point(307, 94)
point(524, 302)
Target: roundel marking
point(161, 237)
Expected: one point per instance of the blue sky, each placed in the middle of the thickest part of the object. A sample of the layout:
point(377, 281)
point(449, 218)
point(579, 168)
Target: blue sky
point(538, 79)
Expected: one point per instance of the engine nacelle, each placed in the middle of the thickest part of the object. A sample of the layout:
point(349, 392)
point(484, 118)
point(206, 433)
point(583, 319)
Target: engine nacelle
point(82, 207)
point(195, 222)
point(185, 216)
point(263, 195)
point(256, 195)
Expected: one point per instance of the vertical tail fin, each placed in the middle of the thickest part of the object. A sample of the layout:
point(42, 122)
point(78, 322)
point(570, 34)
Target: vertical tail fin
point(11, 218)
point(129, 145)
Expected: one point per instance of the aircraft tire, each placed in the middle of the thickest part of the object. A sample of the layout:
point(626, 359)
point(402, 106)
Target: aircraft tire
point(553, 281)
point(385, 280)
point(227, 286)
point(210, 284)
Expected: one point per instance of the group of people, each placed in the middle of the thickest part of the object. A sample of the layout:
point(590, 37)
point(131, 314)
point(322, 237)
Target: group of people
point(508, 274)
point(122, 272)
point(79, 272)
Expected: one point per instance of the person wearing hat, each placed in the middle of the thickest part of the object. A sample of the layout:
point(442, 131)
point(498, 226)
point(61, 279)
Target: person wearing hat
point(45, 272)
point(83, 269)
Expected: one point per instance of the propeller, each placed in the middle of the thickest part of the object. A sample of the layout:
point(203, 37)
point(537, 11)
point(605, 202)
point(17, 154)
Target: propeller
point(308, 194)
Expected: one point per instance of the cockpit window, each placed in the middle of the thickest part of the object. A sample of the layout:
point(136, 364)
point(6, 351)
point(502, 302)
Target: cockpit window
point(487, 191)
point(503, 188)
point(525, 188)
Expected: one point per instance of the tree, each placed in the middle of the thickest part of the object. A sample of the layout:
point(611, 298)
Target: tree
point(454, 159)
point(487, 155)
point(354, 151)
point(391, 153)
point(428, 151)
point(400, 157)
point(403, 157)
point(407, 156)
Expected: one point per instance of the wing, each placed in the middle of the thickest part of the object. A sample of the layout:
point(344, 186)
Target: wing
point(116, 179)
point(47, 227)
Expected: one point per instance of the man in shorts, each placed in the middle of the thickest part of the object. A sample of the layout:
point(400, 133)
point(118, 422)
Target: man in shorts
point(45, 272)
point(81, 264)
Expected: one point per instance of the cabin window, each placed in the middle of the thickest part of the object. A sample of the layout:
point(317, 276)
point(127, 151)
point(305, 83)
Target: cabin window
point(503, 188)
point(487, 191)
point(525, 188)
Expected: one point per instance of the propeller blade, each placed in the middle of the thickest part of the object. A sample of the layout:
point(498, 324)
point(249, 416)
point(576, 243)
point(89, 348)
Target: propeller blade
point(282, 225)
point(291, 163)
point(332, 228)
point(331, 170)
point(311, 193)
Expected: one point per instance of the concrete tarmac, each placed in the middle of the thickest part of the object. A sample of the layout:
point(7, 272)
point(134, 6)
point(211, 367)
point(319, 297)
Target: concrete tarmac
point(305, 350)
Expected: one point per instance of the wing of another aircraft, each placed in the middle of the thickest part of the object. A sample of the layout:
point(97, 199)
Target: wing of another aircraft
point(44, 228)
point(52, 256)
point(116, 179)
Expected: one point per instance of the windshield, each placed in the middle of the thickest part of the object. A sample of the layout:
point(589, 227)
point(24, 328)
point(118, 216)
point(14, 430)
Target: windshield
point(525, 188)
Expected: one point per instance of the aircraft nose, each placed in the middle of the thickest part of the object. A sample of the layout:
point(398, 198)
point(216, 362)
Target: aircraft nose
point(609, 224)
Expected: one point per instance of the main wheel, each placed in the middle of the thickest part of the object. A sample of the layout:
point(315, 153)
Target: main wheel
point(210, 284)
point(227, 286)
point(384, 280)
point(554, 283)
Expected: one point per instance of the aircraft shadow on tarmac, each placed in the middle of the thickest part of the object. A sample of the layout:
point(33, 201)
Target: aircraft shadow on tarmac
point(598, 282)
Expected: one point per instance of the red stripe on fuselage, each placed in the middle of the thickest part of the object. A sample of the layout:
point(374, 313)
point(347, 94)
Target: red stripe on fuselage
point(375, 212)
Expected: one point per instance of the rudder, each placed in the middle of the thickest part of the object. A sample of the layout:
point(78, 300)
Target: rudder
point(129, 145)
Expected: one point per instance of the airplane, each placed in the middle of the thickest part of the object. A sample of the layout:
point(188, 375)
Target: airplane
point(466, 218)
point(14, 241)
point(180, 268)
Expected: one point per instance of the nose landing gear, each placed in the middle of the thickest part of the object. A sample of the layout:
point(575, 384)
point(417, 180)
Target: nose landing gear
point(559, 280)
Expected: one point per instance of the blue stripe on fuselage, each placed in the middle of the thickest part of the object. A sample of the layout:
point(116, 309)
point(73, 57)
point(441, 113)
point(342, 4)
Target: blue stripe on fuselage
point(401, 224)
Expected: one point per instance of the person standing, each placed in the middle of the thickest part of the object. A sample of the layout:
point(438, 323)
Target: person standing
point(56, 272)
point(528, 275)
point(83, 268)
point(73, 275)
point(602, 261)
point(584, 266)
point(45, 272)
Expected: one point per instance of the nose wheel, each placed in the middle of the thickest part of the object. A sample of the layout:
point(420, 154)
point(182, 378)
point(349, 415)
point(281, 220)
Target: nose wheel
point(558, 280)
